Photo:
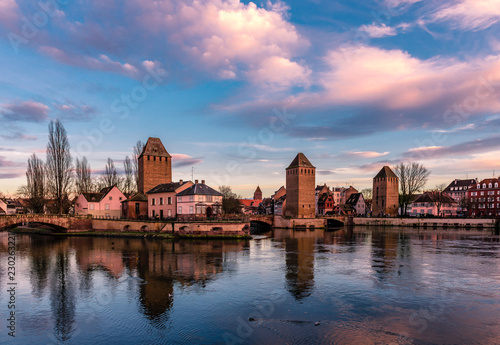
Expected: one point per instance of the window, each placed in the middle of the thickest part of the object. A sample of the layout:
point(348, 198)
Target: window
point(110, 198)
point(121, 198)
point(91, 206)
point(153, 202)
point(179, 210)
point(484, 185)
point(191, 210)
point(191, 198)
point(169, 213)
point(169, 200)
point(137, 208)
point(106, 206)
point(153, 213)
point(161, 201)
point(496, 184)
point(474, 193)
point(490, 185)
point(179, 199)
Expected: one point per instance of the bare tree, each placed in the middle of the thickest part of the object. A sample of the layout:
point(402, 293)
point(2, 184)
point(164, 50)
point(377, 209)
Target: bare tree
point(83, 182)
point(128, 181)
point(367, 193)
point(59, 164)
point(439, 197)
point(138, 148)
point(110, 176)
point(35, 188)
point(412, 178)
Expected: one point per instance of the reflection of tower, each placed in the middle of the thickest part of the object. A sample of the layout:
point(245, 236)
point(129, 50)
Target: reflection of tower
point(155, 165)
point(384, 253)
point(385, 193)
point(300, 188)
point(300, 265)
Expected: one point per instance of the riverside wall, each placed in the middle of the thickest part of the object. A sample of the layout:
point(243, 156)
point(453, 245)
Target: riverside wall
point(428, 222)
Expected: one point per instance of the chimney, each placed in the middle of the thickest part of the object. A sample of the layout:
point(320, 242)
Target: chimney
point(202, 181)
point(196, 181)
point(180, 181)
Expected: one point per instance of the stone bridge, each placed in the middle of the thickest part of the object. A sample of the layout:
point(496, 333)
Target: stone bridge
point(269, 220)
point(60, 223)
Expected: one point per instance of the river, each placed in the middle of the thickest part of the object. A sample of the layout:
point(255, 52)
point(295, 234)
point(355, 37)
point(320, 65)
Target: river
point(352, 286)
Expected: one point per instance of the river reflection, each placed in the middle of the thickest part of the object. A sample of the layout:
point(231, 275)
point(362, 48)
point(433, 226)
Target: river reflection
point(361, 285)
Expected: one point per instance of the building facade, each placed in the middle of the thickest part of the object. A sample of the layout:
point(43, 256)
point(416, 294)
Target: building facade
point(199, 200)
point(300, 188)
point(385, 193)
point(135, 207)
point(484, 198)
point(162, 199)
point(433, 204)
point(155, 165)
point(458, 191)
point(105, 204)
point(357, 201)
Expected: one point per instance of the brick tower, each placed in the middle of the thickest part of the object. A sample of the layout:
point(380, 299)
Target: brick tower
point(155, 165)
point(300, 188)
point(385, 193)
point(257, 195)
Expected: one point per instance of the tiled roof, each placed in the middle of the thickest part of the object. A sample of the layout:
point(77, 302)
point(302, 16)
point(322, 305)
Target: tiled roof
point(166, 187)
point(137, 197)
point(434, 197)
point(199, 189)
point(300, 161)
point(93, 197)
point(354, 199)
point(258, 190)
point(385, 172)
point(461, 183)
point(154, 147)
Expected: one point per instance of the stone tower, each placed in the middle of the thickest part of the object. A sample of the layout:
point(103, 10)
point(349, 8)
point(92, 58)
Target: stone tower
point(300, 188)
point(257, 195)
point(385, 193)
point(155, 165)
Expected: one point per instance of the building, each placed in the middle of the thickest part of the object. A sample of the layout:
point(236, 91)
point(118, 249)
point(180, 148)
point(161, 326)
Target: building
point(320, 190)
point(484, 198)
point(7, 206)
point(135, 207)
point(105, 204)
point(162, 199)
point(433, 204)
point(458, 191)
point(199, 200)
point(280, 205)
point(357, 201)
point(251, 206)
point(339, 195)
point(300, 188)
point(155, 165)
point(385, 193)
point(348, 192)
point(325, 203)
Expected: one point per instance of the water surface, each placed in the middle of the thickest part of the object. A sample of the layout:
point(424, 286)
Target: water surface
point(353, 286)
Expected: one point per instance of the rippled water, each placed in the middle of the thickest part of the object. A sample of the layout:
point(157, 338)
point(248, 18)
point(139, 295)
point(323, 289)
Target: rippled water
point(361, 286)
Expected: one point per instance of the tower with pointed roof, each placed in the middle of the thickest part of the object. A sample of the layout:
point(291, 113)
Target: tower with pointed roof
point(257, 195)
point(155, 165)
point(385, 193)
point(300, 188)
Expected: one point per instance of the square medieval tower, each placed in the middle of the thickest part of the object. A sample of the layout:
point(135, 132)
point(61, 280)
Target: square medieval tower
point(300, 188)
point(385, 193)
point(155, 165)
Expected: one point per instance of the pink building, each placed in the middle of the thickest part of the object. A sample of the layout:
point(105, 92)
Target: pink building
point(105, 204)
point(162, 201)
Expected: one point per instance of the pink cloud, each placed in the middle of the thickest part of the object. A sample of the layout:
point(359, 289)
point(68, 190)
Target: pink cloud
point(470, 14)
point(9, 13)
point(375, 30)
point(279, 73)
point(28, 111)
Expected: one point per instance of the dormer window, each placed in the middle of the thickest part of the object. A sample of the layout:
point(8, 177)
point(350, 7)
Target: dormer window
point(496, 184)
point(484, 185)
point(490, 185)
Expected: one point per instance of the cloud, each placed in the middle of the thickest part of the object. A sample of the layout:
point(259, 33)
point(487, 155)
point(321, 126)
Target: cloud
point(18, 136)
point(376, 31)
point(28, 111)
point(181, 160)
point(102, 62)
point(398, 3)
point(9, 12)
point(75, 112)
point(279, 73)
point(469, 14)
point(462, 149)
point(10, 175)
point(363, 154)
point(4, 163)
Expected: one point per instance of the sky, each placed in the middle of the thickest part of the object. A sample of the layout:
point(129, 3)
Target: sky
point(235, 89)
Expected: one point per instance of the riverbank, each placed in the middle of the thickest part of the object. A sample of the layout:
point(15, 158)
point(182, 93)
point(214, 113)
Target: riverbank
point(123, 234)
point(465, 223)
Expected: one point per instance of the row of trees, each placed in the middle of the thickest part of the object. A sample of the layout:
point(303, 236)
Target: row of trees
point(57, 177)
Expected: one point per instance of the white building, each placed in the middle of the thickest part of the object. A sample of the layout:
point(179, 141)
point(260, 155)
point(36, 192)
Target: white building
point(199, 200)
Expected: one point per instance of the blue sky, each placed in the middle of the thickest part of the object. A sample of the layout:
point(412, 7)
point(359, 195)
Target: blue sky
point(236, 89)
